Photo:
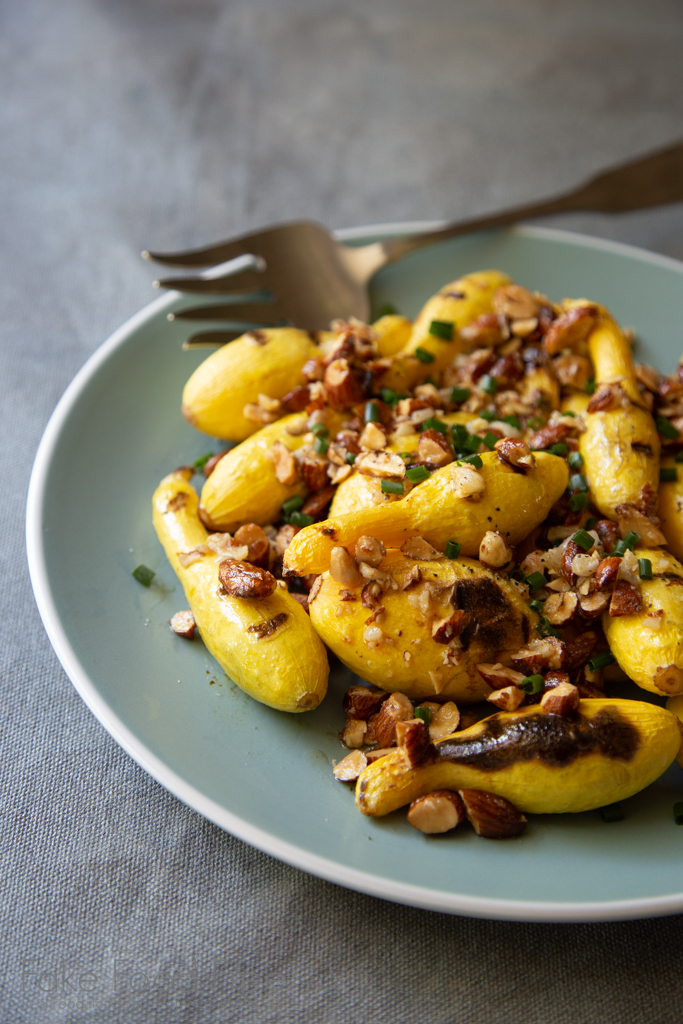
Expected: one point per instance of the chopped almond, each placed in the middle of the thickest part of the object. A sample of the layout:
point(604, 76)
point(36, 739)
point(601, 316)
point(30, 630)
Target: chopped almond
point(353, 733)
point(412, 737)
point(493, 817)
point(420, 550)
point(286, 469)
point(498, 676)
point(183, 624)
point(436, 812)
point(444, 721)
point(343, 568)
point(350, 767)
point(494, 551)
point(507, 699)
point(562, 699)
point(369, 550)
point(396, 708)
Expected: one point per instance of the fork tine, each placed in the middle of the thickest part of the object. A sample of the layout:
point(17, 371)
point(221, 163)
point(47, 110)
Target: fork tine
point(217, 253)
point(216, 312)
point(246, 281)
point(210, 339)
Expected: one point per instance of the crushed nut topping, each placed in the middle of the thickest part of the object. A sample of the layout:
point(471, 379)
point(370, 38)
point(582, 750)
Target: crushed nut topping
point(183, 624)
point(436, 812)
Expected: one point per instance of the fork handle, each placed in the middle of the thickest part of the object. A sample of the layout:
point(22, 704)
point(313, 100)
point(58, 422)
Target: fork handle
point(649, 181)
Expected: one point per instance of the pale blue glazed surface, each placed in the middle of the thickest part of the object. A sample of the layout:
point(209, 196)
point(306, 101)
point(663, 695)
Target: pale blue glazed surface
point(124, 431)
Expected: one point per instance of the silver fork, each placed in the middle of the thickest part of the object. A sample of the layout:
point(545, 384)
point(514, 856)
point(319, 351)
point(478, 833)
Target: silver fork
point(298, 273)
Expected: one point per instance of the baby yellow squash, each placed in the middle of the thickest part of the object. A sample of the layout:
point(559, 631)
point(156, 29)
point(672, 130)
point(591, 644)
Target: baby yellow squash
point(671, 506)
point(540, 762)
point(512, 503)
point(266, 645)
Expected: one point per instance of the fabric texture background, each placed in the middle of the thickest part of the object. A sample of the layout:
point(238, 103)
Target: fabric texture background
point(166, 123)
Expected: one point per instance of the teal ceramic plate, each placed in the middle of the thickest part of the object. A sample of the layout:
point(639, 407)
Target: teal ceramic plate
point(264, 776)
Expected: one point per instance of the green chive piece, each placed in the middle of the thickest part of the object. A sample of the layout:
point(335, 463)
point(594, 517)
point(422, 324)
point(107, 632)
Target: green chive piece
point(490, 439)
point(460, 394)
point(292, 504)
point(453, 549)
point(584, 540)
point(143, 575)
point(433, 424)
point(578, 482)
point(645, 568)
point(473, 460)
point(389, 397)
point(320, 445)
point(416, 474)
point(533, 684)
point(601, 661)
point(405, 455)
point(300, 519)
point(320, 430)
point(678, 813)
point(568, 412)
point(578, 501)
point(536, 606)
point(442, 329)
point(423, 713)
point(535, 581)
point(590, 386)
point(488, 384)
point(619, 549)
point(487, 415)
point(591, 523)
point(678, 457)
point(472, 443)
point(350, 458)
point(613, 812)
point(631, 539)
point(535, 423)
point(558, 449)
point(391, 487)
point(199, 463)
point(513, 421)
point(545, 629)
point(386, 310)
point(460, 435)
point(424, 356)
point(372, 412)
point(668, 476)
point(575, 460)
point(666, 428)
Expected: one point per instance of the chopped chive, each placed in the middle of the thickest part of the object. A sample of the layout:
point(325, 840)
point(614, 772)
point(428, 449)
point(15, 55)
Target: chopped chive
point(391, 487)
point(487, 415)
point(534, 423)
point(601, 661)
point(678, 813)
point(558, 449)
point(578, 482)
point(453, 549)
point(584, 540)
point(350, 458)
point(591, 523)
point(545, 629)
point(460, 434)
point(490, 439)
point(532, 684)
point(424, 356)
point(423, 713)
point(668, 476)
point(473, 460)
point(442, 329)
point(389, 397)
point(619, 549)
point(416, 474)
point(568, 412)
point(678, 457)
point(433, 424)
point(536, 606)
point(645, 568)
point(631, 539)
point(575, 460)
point(513, 421)
point(300, 519)
point(535, 581)
point(578, 501)
point(488, 384)
point(386, 310)
point(590, 386)
point(666, 428)
point(405, 455)
point(320, 445)
point(320, 430)
point(372, 412)
point(613, 812)
point(460, 394)
point(143, 575)
point(199, 463)
point(472, 443)
point(292, 504)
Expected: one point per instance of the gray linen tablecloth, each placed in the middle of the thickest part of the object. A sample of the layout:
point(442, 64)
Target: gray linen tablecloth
point(127, 123)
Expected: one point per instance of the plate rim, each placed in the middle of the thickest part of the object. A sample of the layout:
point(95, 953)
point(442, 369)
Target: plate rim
point(296, 856)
